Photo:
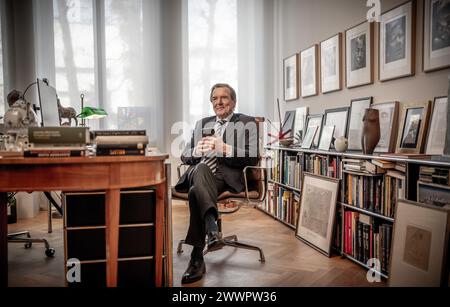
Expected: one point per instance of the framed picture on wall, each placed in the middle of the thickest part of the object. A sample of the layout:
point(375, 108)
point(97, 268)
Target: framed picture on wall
point(330, 64)
point(397, 42)
point(436, 35)
point(316, 217)
point(438, 127)
point(290, 73)
point(354, 132)
point(413, 126)
point(315, 120)
point(419, 246)
point(359, 55)
point(388, 113)
point(309, 75)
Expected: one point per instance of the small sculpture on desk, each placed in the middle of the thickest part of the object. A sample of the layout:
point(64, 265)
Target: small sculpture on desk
point(371, 131)
point(68, 113)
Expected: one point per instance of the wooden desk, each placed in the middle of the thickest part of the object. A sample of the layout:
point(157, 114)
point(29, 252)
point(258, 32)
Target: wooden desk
point(86, 174)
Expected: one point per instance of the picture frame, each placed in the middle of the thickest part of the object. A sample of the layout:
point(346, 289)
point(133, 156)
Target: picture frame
point(388, 114)
point(291, 77)
point(311, 132)
point(331, 64)
point(438, 127)
point(315, 120)
point(433, 194)
point(325, 137)
point(355, 123)
point(309, 74)
point(419, 246)
point(412, 127)
point(339, 119)
point(301, 116)
point(397, 42)
point(287, 128)
point(359, 55)
point(316, 217)
point(436, 42)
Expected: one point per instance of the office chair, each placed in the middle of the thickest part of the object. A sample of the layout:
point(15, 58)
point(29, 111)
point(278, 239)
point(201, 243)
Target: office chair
point(17, 237)
point(255, 182)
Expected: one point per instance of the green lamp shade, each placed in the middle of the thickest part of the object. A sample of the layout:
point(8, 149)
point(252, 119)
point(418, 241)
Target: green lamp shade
point(92, 113)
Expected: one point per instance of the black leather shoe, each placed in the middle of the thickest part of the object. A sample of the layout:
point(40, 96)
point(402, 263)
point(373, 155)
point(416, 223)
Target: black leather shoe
point(194, 272)
point(214, 241)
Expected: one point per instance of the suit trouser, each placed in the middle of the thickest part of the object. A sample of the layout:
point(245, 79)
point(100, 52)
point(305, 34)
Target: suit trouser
point(203, 192)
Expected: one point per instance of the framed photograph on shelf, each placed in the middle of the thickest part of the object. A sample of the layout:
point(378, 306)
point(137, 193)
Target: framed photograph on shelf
point(433, 194)
point(301, 115)
point(412, 127)
point(436, 36)
point(291, 76)
point(438, 127)
point(359, 55)
point(309, 137)
point(316, 216)
point(388, 113)
point(288, 124)
point(337, 118)
point(419, 246)
point(309, 75)
point(325, 138)
point(397, 42)
point(330, 64)
point(315, 120)
point(355, 126)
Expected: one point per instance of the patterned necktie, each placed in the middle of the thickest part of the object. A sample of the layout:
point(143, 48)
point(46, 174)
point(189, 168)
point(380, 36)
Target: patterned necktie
point(211, 158)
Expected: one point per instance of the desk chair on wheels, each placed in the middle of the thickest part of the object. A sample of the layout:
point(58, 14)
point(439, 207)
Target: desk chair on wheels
point(255, 181)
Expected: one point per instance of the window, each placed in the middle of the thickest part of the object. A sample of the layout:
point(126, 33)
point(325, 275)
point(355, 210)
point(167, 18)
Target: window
point(212, 47)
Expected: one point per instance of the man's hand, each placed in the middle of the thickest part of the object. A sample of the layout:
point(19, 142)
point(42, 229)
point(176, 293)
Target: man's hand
point(210, 143)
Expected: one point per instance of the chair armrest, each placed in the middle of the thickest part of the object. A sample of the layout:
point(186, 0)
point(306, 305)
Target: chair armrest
point(263, 179)
point(179, 169)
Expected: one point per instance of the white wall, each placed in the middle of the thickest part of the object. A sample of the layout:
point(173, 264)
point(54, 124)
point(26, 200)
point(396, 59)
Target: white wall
point(302, 23)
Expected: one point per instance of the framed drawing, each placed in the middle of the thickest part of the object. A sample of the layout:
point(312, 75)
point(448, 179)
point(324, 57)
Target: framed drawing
point(325, 137)
point(301, 115)
point(337, 118)
point(309, 137)
point(397, 42)
point(315, 120)
point(388, 126)
point(359, 55)
point(290, 73)
point(316, 217)
point(309, 75)
point(436, 36)
point(433, 194)
point(354, 130)
point(419, 246)
point(438, 127)
point(330, 64)
point(412, 128)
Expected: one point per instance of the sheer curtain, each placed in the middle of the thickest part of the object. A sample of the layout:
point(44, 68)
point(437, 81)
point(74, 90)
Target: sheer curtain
point(228, 41)
point(108, 50)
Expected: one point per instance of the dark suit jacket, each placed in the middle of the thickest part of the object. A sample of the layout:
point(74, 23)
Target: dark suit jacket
point(242, 134)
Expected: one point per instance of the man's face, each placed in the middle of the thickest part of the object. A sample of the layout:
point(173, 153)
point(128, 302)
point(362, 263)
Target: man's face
point(222, 103)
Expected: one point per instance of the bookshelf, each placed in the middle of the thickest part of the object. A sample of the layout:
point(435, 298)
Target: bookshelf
point(367, 195)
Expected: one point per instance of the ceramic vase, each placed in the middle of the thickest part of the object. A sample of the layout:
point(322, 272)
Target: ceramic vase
point(371, 131)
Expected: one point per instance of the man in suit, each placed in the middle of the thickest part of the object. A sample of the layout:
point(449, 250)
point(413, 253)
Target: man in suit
point(221, 146)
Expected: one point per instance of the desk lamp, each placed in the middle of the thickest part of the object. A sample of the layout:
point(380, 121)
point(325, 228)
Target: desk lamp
point(90, 112)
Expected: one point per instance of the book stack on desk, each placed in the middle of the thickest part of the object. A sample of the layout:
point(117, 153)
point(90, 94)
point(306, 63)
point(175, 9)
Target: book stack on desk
point(45, 142)
point(120, 142)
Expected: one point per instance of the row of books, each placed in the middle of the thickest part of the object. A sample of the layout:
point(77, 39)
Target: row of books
point(436, 175)
point(285, 169)
point(365, 239)
point(282, 203)
point(322, 165)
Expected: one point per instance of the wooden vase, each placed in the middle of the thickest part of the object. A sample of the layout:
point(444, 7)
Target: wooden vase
point(371, 131)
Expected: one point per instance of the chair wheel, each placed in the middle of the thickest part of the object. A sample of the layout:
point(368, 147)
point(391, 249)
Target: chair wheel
point(50, 252)
point(28, 244)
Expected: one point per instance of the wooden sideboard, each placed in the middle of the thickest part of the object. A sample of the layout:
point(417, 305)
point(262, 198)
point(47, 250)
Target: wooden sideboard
point(110, 174)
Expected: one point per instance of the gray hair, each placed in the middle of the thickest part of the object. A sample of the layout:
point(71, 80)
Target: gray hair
point(219, 85)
